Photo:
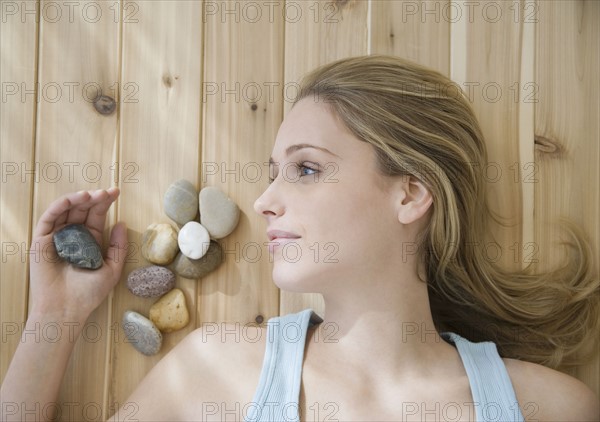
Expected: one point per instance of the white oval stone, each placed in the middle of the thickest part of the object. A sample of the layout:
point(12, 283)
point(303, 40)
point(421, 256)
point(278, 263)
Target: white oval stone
point(193, 240)
point(218, 213)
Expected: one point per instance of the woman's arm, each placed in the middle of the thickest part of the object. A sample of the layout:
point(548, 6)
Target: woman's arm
point(212, 374)
point(61, 294)
point(545, 394)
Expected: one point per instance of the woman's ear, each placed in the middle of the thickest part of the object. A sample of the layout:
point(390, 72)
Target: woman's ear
point(413, 200)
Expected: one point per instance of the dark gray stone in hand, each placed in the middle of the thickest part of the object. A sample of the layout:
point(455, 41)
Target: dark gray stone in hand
point(75, 244)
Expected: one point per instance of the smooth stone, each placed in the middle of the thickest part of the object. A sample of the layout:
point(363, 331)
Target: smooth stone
point(181, 202)
point(159, 243)
point(218, 213)
point(150, 281)
point(170, 312)
point(75, 244)
point(198, 268)
point(193, 240)
point(141, 333)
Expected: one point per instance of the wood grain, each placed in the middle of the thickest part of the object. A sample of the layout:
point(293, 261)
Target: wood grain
point(567, 150)
point(416, 31)
point(18, 69)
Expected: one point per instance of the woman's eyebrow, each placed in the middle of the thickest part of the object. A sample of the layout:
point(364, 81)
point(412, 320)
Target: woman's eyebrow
point(297, 147)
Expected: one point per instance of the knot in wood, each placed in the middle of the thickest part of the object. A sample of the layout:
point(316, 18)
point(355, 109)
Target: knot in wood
point(105, 105)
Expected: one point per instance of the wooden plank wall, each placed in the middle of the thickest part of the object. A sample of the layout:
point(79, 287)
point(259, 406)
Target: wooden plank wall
point(202, 88)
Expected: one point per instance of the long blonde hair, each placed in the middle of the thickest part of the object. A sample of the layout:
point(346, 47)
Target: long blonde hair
point(420, 123)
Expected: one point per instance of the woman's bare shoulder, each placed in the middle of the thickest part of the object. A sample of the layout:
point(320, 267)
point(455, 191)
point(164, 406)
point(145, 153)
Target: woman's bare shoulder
point(212, 372)
point(242, 342)
point(545, 394)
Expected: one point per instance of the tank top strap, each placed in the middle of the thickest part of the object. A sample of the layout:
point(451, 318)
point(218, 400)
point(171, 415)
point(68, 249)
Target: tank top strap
point(493, 393)
point(278, 391)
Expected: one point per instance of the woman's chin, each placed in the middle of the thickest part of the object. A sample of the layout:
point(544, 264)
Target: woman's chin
point(290, 279)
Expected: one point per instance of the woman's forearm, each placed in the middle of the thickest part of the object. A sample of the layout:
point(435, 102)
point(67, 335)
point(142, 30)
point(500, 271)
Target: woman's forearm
point(62, 299)
point(35, 373)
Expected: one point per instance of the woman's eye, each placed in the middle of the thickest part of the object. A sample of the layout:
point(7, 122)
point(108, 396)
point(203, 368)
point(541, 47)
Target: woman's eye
point(301, 167)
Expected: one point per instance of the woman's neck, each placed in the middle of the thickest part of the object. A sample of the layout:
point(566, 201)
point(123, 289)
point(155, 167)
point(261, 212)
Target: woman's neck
point(385, 327)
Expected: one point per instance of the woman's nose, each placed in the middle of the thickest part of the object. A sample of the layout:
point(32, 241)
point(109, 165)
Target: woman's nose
point(265, 203)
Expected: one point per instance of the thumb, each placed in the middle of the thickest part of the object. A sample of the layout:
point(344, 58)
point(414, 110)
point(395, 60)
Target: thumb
point(117, 250)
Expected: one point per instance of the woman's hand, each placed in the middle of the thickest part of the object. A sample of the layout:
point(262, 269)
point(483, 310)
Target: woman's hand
point(60, 293)
point(59, 289)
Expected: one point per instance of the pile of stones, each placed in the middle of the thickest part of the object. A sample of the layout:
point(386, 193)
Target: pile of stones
point(190, 251)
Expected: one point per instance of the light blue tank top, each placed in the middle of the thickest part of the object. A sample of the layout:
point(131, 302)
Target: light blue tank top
point(276, 398)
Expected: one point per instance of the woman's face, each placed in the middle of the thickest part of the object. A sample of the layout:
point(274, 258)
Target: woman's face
point(334, 201)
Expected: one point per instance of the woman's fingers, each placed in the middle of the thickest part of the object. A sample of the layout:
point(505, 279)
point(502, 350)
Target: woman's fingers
point(57, 212)
point(96, 214)
point(79, 214)
point(84, 207)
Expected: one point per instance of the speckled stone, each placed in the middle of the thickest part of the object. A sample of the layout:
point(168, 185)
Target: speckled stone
point(193, 240)
point(218, 213)
point(198, 268)
point(151, 281)
point(159, 243)
point(181, 202)
point(141, 333)
point(75, 244)
point(170, 312)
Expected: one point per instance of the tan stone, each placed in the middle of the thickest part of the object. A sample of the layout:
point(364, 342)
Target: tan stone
point(170, 312)
point(159, 243)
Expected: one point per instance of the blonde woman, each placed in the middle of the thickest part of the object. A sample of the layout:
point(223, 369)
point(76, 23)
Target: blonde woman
point(379, 158)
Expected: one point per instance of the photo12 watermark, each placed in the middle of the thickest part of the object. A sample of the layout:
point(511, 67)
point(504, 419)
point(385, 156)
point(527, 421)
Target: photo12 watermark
point(74, 172)
point(289, 332)
point(269, 92)
point(255, 172)
point(289, 11)
point(70, 11)
point(67, 410)
point(491, 12)
point(53, 92)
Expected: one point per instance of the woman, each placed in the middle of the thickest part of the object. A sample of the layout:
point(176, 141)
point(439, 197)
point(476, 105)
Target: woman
point(378, 157)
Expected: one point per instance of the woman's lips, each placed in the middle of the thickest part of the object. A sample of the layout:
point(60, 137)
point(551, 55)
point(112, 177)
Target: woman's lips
point(279, 237)
point(280, 241)
point(278, 234)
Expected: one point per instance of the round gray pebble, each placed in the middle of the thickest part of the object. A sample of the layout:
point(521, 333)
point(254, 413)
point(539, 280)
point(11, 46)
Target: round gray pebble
point(198, 268)
point(141, 333)
point(151, 281)
point(75, 244)
point(218, 213)
point(181, 202)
